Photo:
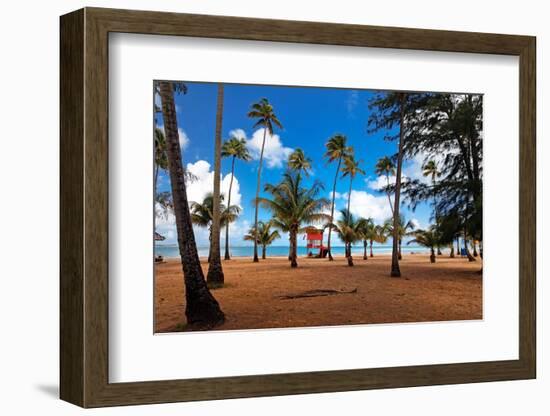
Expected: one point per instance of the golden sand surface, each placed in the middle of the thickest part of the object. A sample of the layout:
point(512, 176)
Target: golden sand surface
point(254, 293)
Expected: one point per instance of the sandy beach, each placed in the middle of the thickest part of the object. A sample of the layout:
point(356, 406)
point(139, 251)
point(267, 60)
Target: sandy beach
point(261, 295)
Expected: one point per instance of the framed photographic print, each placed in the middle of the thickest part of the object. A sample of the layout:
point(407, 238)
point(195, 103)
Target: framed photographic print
point(261, 207)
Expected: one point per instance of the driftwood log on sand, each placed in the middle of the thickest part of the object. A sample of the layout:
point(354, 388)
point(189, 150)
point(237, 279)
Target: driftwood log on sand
point(317, 292)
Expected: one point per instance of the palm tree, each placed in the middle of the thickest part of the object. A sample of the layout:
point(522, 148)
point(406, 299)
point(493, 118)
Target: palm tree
point(348, 229)
point(351, 169)
point(386, 167)
point(235, 148)
point(403, 228)
point(215, 277)
point(390, 111)
point(426, 238)
point(380, 236)
point(366, 230)
point(201, 308)
point(336, 151)
point(430, 169)
point(263, 111)
point(293, 206)
point(264, 237)
point(202, 215)
point(299, 162)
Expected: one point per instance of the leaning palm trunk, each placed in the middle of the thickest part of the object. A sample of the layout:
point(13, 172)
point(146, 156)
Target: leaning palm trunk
point(227, 256)
point(293, 246)
point(258, 195)
point(215, 277)
point(395, 271)
point(329, 247)
point(432, 255)
point(201, 309)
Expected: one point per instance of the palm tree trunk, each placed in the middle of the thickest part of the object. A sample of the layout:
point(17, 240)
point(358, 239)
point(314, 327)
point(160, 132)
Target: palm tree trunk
point(329, 248)
point(452, 255)
point(156, 179)
point(349, 256)
point(201, 308)
point(215, 275)
point(432, 255)
point(365, 257)
point(263, 251)
point(258, 195)
point(439, 253)
point(395, 271)
point(458, 245)
point(371, 254)
point(227, 257)
point(293, 244)
point(349, 193)
point(468, 254)
point(399, 256)
point(475, 248)
point(388, 192)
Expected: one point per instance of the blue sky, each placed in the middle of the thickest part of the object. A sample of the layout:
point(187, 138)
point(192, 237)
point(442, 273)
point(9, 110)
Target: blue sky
point(310, 116)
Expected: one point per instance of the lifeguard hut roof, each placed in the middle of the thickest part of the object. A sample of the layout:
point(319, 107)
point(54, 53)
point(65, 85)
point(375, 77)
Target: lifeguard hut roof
point(313, 233)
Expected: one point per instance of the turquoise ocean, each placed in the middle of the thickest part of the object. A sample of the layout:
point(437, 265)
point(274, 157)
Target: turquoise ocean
point(171, 250)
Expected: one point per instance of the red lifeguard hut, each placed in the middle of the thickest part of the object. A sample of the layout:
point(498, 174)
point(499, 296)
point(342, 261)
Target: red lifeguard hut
point(315, 247)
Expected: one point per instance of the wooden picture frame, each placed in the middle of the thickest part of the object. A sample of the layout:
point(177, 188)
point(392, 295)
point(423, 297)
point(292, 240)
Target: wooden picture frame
point(84, 207)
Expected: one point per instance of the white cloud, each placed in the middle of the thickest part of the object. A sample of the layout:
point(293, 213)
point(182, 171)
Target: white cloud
point(415, 223)
point(337, 195)
point(204, 183)
point(196, 191)
point(238, 133)
point(352, 101)
point(367, 205)
point(274, 151)
point(183, 138)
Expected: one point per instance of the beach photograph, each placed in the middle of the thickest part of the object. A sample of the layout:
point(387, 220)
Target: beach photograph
point(291, 206)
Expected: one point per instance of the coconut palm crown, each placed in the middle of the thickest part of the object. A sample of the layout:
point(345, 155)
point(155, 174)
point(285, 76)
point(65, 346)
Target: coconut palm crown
point(294, 206)
point(404, 228)
point(349, 228)
point(264, 236)
point(427, 238)
point(299, 162)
